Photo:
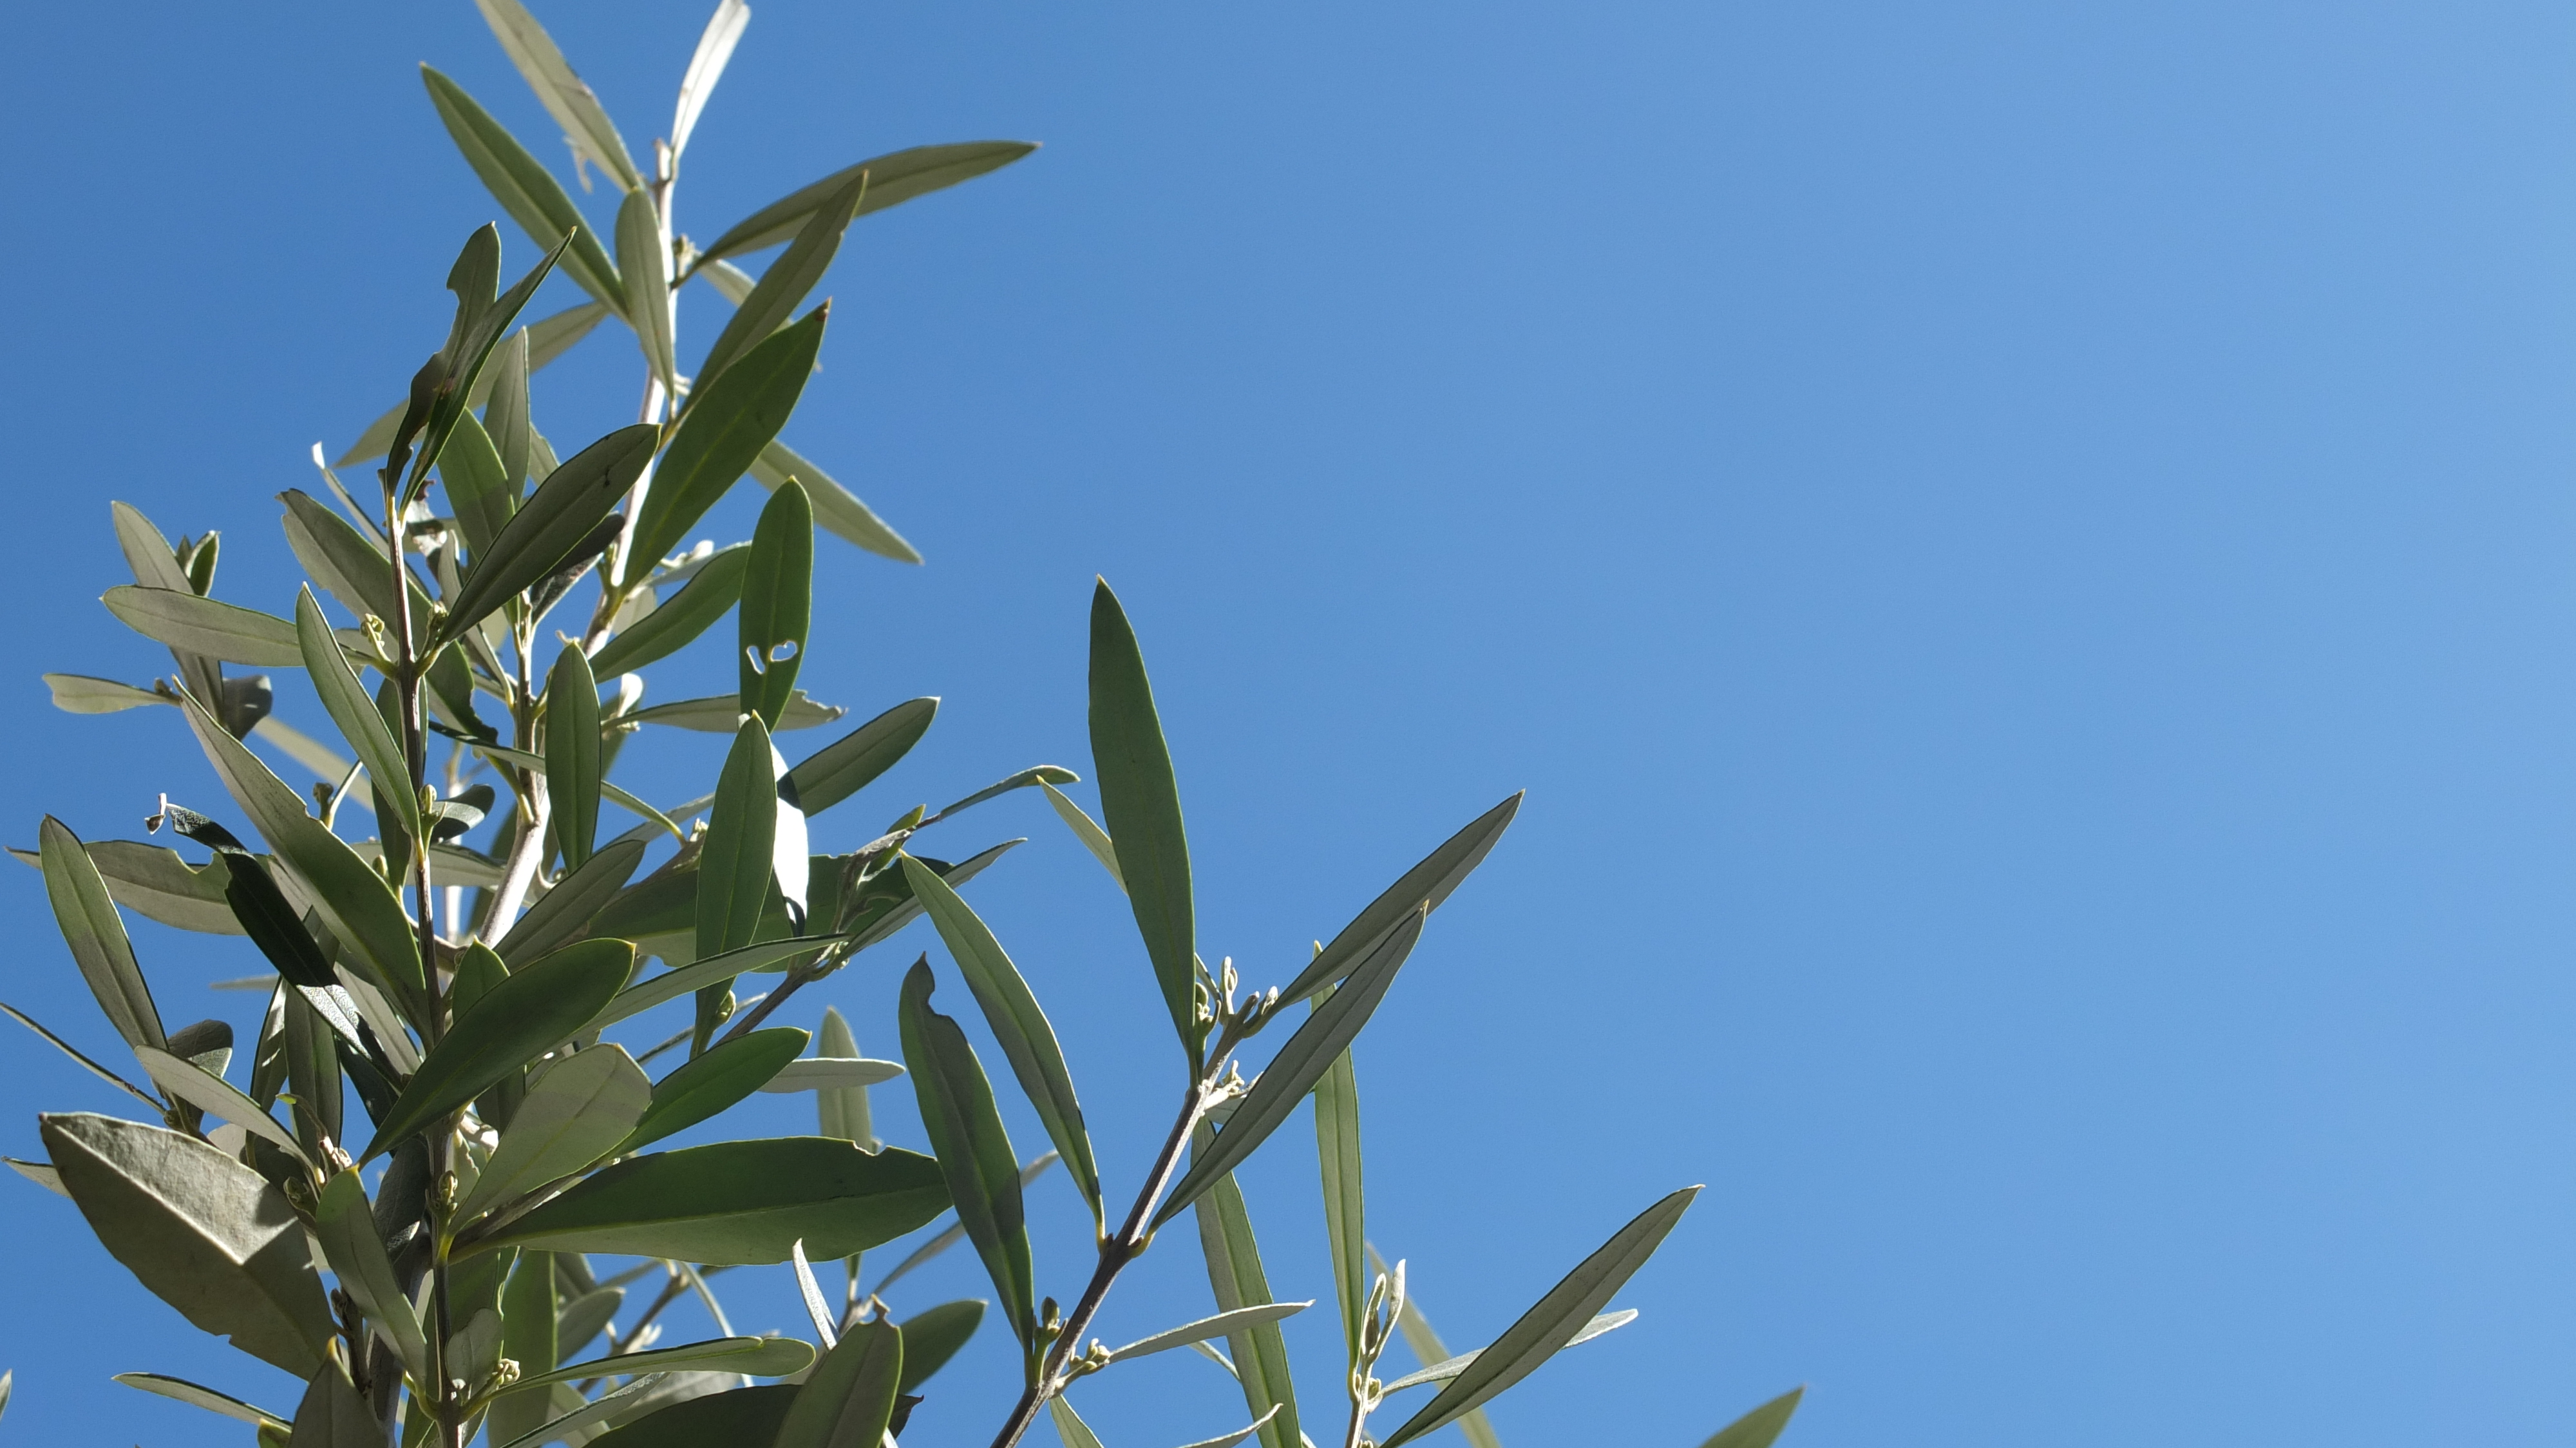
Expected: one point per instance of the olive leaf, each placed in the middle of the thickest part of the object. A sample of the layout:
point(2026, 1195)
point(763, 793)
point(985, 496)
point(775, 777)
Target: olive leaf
point(892, 179)
point(1236, 1277)
point(1761, 1427)
point(87, 917)
point(573, 764)
point(974, 1152)
point(723, 1076)
point(680, 618)
point(848, 764)
point(1143, 806)
point(736, 1202)
point(523, 186)
point(535, 1009)
point(730, 419)
point(577, 1111)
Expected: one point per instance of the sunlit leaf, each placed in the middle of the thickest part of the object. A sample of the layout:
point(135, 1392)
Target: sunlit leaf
point(570, 907)
point(206, 626)
point(523, 186)
point(849, 1397)
point(563, 511)
point(892, 179)
point(181, 1390)
point(787, 282)
point(1424, 887)
point(837, 510)
point(680, 618)
point(1236, 1278)
point(96, 933)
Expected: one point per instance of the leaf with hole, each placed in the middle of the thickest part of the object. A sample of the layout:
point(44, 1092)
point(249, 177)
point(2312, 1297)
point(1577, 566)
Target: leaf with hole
point(777, 605)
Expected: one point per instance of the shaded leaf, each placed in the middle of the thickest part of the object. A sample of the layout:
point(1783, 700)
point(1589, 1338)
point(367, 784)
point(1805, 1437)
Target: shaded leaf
point(333, 1414)
point(1043, 774)
point(1143, 809)
point(698, 975)
point(738, 1202)
point(975, 1157)
point(644, 262)
point(842, 1111)
point(1553, 1321)
point(537, 1008)
point(817, 1073)
point(548, 339)
point(847, 765)
point(1027, 1038)
point(153, 882)
point(955, 1234)
point(204, 1232)
point(349, 565)
point(744, 1416)
point(1337, 1150)
point(1447, 1368)
point(185, 1081)
point(1093, 837)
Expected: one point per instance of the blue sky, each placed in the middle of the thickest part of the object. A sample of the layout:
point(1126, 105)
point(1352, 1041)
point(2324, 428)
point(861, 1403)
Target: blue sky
point(2022, 553)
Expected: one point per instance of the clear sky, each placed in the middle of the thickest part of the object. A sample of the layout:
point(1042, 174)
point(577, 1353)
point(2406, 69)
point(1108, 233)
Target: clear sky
point(2022, 552)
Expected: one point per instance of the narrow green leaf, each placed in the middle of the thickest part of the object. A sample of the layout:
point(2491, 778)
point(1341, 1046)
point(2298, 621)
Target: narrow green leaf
point(81, 694)
point(975, 1156)
point(1143, 806)
point(706, 64)
point(578, 1111)
point(181, 1390)
point(1224, 1324)
point(205, 626)
point(1555, 1318)
point(42, 1173)
point(734, 864)
point(1427, 1347)
point(724, 1075)
point(1337, 1148)
point(777, 605)
point(557, 517)
point(483, 321)
point(1236, 1278)
point(506, 423)
point(759, 1357)
point(892, 179)
point(1069, 1425)
point(345, 1223)
point(722, 714)
point(567, 912)
point(347, 563)
point(354, 900)
point(697, 975)
point(607, 1405)
point(529, 1302)
point(212, 1094)
point(849, 1398)
point(814, 1073)
point(1424, 886)
point(479, 490)
point(932, 1336)
point(842, 1111)
point(1093, 837)
point(681, 617)
point(738, 1202)
point(585, 1315)
point(523, 186)
point(1761, 1427)
point(94, 1068)
point(541, 1006)
point(1300, 1063)
point(644, 262)
point(1027, 1038)
point(1042, 774)
point(1447, 1368)
point(333, 1413)
point(729, 421)
point(836, 509)
point(346, 701)
point(571, 103)
point(788, 281)
point(847, 765)
point(573, 763)
point(96, 934)
point(201, 1230)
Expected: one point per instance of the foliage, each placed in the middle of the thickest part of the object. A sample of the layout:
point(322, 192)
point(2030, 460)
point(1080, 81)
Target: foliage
point(424, 1265)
